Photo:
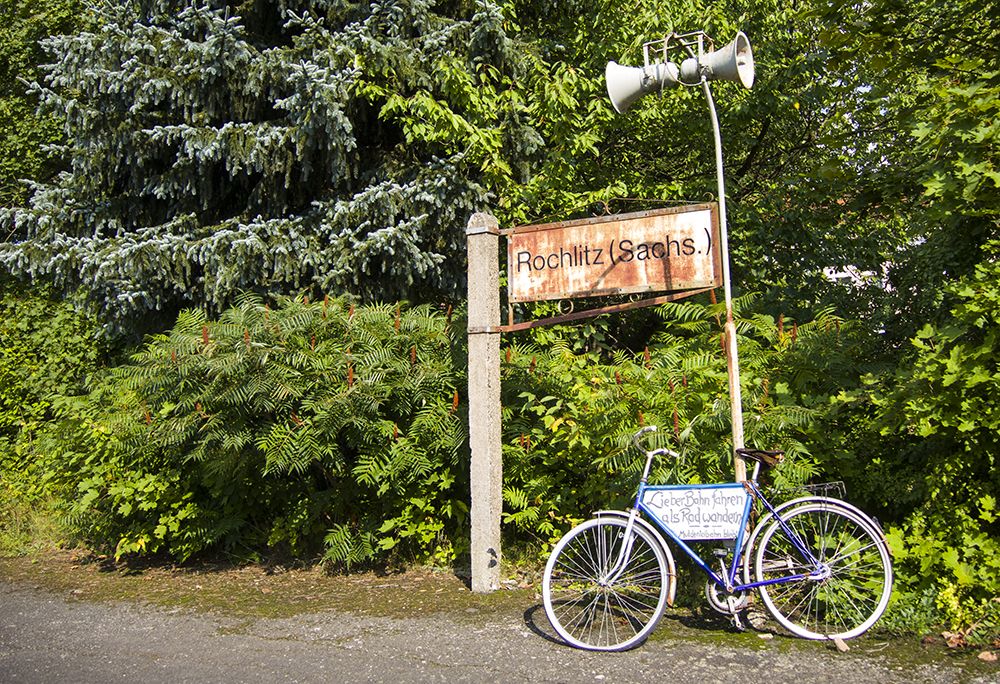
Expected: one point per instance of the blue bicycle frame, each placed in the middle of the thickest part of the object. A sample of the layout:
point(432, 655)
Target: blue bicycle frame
point(730, 583)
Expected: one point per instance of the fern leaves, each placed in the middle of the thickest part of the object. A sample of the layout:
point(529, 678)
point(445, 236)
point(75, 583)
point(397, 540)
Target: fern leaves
point(568, 416)
point(292, 401)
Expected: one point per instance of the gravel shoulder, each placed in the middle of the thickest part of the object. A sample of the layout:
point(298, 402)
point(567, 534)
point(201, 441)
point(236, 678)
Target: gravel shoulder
point(72, 617)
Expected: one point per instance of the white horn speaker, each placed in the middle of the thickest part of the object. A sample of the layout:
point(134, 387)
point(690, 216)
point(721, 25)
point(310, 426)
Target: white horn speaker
point(628, 84)
point(732, 63)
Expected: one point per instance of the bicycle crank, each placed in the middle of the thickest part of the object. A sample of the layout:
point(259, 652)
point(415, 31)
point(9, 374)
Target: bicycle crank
point(725, 602)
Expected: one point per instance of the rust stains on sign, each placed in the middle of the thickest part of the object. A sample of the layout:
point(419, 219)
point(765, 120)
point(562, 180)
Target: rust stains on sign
point(666, 249)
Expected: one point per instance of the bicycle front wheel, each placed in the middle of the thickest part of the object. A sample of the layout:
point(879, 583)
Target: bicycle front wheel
point(604, 592)
point(844, 591)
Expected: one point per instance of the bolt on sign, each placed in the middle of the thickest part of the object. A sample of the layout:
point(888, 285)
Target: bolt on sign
point(648, 251)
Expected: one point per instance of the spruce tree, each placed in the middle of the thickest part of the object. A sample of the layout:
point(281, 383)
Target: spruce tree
point(271, 145)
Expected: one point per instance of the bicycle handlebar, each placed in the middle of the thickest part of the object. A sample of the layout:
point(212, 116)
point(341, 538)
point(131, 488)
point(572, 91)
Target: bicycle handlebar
point(656, 452)
point(637, 436)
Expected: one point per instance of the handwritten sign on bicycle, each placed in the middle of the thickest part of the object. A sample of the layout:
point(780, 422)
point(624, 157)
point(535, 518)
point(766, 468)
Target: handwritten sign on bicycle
point(698, 512)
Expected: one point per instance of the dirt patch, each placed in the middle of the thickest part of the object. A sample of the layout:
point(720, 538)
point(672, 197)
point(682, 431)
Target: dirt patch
point(259, 591)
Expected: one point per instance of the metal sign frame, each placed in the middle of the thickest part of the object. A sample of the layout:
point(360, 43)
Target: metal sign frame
point(671, 249)
point(609, 231)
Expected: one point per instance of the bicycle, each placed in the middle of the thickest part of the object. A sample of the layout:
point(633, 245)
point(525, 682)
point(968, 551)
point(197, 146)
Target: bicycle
point(822, 567)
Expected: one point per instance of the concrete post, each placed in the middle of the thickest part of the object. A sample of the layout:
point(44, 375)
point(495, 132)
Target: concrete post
point(483, 235)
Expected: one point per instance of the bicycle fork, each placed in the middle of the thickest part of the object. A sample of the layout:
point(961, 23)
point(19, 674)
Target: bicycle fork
point(614, 572)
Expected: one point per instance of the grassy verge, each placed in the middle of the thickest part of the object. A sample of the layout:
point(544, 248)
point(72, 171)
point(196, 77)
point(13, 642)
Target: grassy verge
point(254, 591)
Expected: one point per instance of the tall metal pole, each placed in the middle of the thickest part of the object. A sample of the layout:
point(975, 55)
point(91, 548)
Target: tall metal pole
point(732, 355)
point(734, 63)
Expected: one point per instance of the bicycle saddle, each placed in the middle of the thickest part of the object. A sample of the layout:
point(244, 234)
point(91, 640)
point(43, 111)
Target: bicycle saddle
point(765, 458)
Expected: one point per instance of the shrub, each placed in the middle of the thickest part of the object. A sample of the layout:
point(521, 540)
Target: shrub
point(911, 612)
point(571, 408)
point(941, 404)
point(47, 350)
point(302, 428)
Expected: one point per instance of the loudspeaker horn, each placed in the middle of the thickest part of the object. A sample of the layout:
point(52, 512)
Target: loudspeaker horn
point(628, 84)
point(732, 63)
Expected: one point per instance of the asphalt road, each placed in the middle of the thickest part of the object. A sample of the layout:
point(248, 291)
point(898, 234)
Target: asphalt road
point(50, 639)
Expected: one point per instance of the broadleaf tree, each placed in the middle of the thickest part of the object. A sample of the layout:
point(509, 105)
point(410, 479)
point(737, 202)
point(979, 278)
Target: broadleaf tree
point(24, 134)
point(806, 151)
point(933, 77)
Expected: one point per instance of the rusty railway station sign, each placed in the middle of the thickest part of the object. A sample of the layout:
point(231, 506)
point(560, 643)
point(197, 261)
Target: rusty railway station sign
point(667, 249)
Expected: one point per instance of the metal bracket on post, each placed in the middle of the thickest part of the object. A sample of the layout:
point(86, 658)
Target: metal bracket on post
point(483, 237)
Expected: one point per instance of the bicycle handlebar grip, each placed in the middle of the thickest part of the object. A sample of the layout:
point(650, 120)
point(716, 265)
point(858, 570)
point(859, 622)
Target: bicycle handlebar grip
point(640, 433)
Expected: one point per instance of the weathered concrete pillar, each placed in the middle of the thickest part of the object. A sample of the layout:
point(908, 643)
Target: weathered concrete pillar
point(483, 235)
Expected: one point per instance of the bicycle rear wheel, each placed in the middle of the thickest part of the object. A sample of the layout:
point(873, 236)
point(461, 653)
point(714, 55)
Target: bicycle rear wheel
point(751, 545)
point(593, 604)
point(846, 593)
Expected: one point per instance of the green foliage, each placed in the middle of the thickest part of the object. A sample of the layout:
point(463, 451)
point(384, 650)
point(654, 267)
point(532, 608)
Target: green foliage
point(570, 410)
point(944, 398)
point(932, 71)
point(24, 135)
point(215, 147)
point(913, 612)
point(597, 161)
point(973, 622)
point(345, 147)
point(47, 350)
point(277, 427)
point(807, 151)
